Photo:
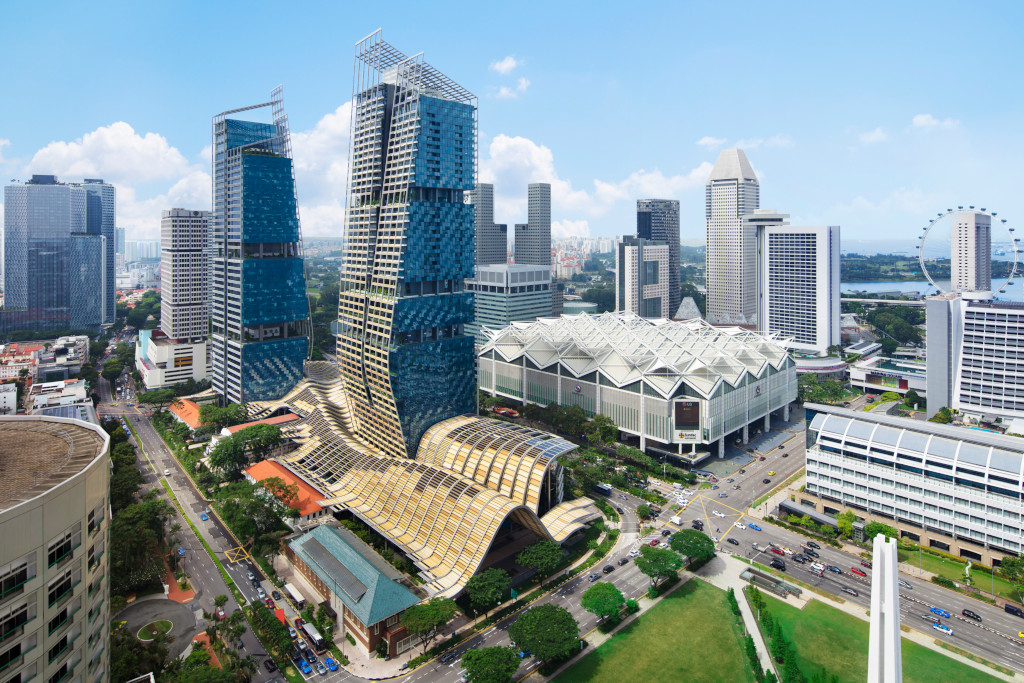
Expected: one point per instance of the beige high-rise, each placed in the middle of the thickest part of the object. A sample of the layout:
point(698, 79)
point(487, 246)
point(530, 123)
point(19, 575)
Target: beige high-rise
point(732, 192)
point(971, 252)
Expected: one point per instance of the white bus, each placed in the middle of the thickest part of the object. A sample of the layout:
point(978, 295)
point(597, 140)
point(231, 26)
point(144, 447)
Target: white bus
point(295, 595)
point(316, 640)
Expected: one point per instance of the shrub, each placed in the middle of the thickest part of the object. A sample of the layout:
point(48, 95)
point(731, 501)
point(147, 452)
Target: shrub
point(632, 606)
point(944, 582)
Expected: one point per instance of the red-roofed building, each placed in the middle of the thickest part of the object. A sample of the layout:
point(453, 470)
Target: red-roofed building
point(278, 420)
point(187, 411)
point(307, 501)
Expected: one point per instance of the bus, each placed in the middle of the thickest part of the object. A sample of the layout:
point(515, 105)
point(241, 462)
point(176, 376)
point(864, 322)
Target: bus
point(604, 488)
point(316, 640)
point(295, 595)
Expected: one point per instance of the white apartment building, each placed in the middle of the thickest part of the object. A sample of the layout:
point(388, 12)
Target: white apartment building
point(954, 489)
point(798, 280)
point(971, 252)
point(642, 283)
point(732, 192)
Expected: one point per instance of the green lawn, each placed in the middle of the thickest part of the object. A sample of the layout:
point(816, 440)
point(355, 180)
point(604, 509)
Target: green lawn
point(954, 570)
point(831, 640)
point(153, 629)
point(688, 636)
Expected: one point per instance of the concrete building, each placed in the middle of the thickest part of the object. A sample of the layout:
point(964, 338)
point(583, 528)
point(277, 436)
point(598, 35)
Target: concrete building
point(953, 489)
point(184, 307)
point(163, 362)
point(119, 241)
point(675, 385)
point(879, 375)
point(658, 220)
point(642, 278)
point(974, 365)
point(62, 360)
point(508, 293)
point(491, 238)
point(971, 252)
point(797, 281)
point(533, 238)
point(142, 250)
point(732, 192)
point(59, 393)
point(8, 399)
point(54, 559)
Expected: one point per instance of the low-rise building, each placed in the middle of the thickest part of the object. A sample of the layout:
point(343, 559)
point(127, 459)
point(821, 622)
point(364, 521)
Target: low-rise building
point(186, 411)
point(61, 393)
point(163, 362)
point(881, 374)
point(307, 499)
point(8, 399)
point(63, 359)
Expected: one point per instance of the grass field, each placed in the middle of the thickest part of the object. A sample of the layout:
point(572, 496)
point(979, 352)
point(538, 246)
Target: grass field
point(153, 629)
point(688, 636)
point(954, 570)
point(833, 641)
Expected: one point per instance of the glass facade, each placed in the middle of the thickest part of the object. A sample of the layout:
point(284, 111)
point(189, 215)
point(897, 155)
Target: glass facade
point(101, 215)
point(259, 314)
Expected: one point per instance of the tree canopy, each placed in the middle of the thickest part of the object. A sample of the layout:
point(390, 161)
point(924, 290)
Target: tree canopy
point(545, 555)
point(486, 588)
point(693, 544)
point(872, 529)
point(845, 520)
point(603, 599)
point(228, 416)
point(490, 665)
point(427, 618)
point(547, 631)
point(657, 563)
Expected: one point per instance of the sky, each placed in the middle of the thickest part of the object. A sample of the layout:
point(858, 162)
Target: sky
point(870, 116)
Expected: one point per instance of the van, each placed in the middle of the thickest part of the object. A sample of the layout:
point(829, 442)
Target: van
point(676, 520)
point(677, 485)
point(1014, 610)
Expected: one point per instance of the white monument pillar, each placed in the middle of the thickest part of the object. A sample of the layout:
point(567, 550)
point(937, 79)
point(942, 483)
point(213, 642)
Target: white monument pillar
point(885, 664)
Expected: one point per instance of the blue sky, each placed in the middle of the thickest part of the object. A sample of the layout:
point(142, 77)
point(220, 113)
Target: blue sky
point(872, 116)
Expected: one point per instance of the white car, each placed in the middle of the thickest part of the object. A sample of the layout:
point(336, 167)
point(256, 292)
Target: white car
point(738, 525)
point(634, 553)
point(716, 513)
point(819, 566)
point(714, 539)
point(167, 473)
point(684, 503)
point(663, 545)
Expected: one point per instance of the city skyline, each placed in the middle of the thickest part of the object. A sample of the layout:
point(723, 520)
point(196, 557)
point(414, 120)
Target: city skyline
point(883, 124)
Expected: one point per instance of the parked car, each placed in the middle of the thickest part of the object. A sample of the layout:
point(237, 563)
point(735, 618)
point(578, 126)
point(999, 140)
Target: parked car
point(331, 664)
point(292, 633)
point(250, 576)
point(941, 612)
point(303, 665)
point(309, 655)
point(777, 551)
point(850, 591)
point(663, 546)
point(220, 613)
point(1013, 609)
point(270, 665)
point(970, 614)
point(698, 525)
point(270, 603)
point(298, 623)
point(262, 593)
point(942, 627)
point(320, 668)
point(857, 571)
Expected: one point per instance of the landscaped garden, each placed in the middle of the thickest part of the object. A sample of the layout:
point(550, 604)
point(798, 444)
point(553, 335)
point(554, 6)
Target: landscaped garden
point(154, 629)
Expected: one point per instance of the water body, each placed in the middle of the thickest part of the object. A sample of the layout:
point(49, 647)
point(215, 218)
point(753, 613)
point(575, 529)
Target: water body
point(1014, 292)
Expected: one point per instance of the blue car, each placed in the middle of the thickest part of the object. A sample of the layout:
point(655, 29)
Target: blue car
point(524, 654)
point(942, 627)
point(204, 517)
point(331, 664)
point(303, 665)
point(941, 612)
point(754, 527)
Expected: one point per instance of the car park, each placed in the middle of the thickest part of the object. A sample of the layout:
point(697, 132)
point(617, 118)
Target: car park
point(857, 571)
point(754, 527)
point(940, 612)
point(846, 589)
point(970, 614)
point(943, 628)
point(733, 541)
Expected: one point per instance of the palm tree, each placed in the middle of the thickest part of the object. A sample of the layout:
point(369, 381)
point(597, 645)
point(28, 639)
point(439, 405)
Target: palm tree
point(246, 667)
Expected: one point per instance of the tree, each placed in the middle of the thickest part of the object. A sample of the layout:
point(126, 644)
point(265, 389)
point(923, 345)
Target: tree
point(220, 600)
point(486, 588)
point(874, 528)
point(911, 398)
point(1013, 569)
point(158, 397)
point(603, 599)
point(112, 369)
point(835, 350)
point(427, 618)
point(545, 555)
point(259, 440)
point(490, 665)
point(658, 563)
point(845, 520)
point(889, 346)
point(643, 510)
point(229, 455)
point(693, 544)
point(228, 416)
point(286, 493)
point(547, 631)
point(602, 430)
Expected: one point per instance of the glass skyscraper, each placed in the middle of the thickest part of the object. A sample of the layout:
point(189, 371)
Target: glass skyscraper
point(658, 220)
point(402, 347)
point(259, 315)
point(101, 215)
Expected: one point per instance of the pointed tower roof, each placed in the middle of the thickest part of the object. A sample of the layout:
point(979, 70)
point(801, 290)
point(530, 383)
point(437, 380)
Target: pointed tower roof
point(732, 164)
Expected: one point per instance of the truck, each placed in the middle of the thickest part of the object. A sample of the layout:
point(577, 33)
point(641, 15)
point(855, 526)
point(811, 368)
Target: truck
point(295, 595)
point(676, 520)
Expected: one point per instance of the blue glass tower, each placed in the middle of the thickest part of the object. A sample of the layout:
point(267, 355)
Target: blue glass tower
point(402, 347)
point(259, 315)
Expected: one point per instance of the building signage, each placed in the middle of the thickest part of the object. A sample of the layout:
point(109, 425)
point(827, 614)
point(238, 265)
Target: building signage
point(687, 415)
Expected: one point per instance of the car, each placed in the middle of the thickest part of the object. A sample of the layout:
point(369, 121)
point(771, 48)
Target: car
point(784, 455)
point(723, 495)
point(523, 654)
point(814, 545)
point(608, 569)
point(220, 613)
point(1020, 634)
point(663, 546)
point(904, 584)
point(653, 543)
point(729, 480)
point(834, 569)
point(940, 612)
point(716, 513)
point(818, 565)
point(802, 559)
point(593, 577)
point(761, 458)
point(330, 663)
point(205, 517)
point(167, 473)
point(846, 589)
point(733, 541)
point(782, 446)
point(858, 572)
point(736, 486)
point(292, 633)
point(865, 563)
point(619, 510)
point(304, 667)
point(942, 627)
point(714, 487)
point(275, 595)
point(270, 665)
point(320, 668)
point(787, 550)
point(714, 539)
point(777, 551)
point(778, 564)
point(298, 623)
point(249, 575)
point(624, 560)
point(771, 473)
point(754, 527)
point(766, 480)
point(811, 553)
point(970, 614)
point(740, 525)
point(309, 655)
point(634, 553)
point(270, 603)
point(255, 583)
point(929, 618)
point(262, 593)
point(448, 657)
point(743, 471)
point(666, 532)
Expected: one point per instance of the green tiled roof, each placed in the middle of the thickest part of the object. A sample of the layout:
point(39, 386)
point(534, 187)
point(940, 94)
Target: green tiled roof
point(360, 578)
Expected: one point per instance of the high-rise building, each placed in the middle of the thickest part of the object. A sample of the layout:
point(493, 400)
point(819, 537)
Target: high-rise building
point(971, 252)
point(641, 278)
point(259, 314)
point(658, 220)
point(732, 192)
point(142, 250)
point(533, 238)
point(54, 549)
point(508, 293)
point(402, 346)
point(101, 202)
point(54, 265)
point(491, 238)
point(798, 280)
point(120, 241)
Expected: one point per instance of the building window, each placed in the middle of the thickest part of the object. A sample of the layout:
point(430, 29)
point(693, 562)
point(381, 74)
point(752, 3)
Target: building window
point(392, 620)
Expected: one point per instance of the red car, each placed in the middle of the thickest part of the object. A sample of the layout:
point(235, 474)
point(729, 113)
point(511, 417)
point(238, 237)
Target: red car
point(220, 613)
point(270, 603)
point(653, 543)
point(865, 563)
point(776, 551)
point(858, 572)
point(298, 623)
point(761, 458)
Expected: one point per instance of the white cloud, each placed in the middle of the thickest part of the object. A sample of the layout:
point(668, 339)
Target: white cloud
point(507, 93)
point(928, 121)
point(777, 140)
point(321, 173)
point(563, 229)
point(873, 136)
point(206, 154)
point(710, 142)
point(906, 201)
point(115, 153)
point(505, 65)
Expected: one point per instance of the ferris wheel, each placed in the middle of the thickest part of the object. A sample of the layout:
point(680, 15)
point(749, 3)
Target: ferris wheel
point(1007, 248)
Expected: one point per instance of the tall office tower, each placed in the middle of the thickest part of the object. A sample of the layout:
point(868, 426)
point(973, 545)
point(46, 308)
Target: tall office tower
point(641, 279)
point(259, 315)
point(119, 241)
point(797, 281)
point(491, 238)
point(971, 252)
point(402, 348)
point(101, 200)
point(184, 310)
point(506, 293)
point(658, 220)
point(533, 238)
point(54, 267)
point(732, 192)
